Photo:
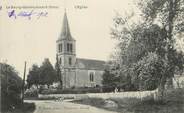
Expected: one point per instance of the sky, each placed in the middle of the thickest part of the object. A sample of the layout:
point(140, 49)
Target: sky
point(32, 40)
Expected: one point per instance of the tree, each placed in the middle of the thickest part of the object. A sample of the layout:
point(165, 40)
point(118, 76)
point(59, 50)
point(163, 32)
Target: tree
point(33, 77)
point(168, 13)
point(47, 73)
point(11, 85)
point(58, 70)
point(109, 81)
point(155, 33)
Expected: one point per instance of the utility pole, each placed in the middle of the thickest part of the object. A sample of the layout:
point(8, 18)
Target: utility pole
point(23, 83)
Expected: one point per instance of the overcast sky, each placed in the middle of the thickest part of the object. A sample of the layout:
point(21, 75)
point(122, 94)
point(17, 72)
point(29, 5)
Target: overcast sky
point(33, 40)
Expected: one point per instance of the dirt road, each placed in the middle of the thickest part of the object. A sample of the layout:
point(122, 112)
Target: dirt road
point(51, 106)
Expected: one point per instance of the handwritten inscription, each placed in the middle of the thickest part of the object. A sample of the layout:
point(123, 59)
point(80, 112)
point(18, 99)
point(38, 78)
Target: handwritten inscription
point(26, 14)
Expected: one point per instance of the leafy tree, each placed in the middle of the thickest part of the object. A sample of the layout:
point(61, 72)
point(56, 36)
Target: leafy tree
point(148, 46)
point(116, 77)
point(58, 70)
point(168, 13)
point(109, 79)
point(149, 70)
point(47, 73)
point(11, 85)
point(33, 77)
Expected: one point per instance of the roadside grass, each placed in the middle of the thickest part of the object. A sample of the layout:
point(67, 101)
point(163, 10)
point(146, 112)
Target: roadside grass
point(25, 108)
point(173, 103)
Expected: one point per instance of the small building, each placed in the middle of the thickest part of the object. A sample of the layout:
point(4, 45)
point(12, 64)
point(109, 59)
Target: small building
point(76, 72)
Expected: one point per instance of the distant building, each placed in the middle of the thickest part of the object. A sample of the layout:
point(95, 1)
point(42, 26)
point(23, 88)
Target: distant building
point(76, 72)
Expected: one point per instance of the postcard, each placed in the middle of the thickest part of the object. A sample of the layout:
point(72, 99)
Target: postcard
point(92, 56)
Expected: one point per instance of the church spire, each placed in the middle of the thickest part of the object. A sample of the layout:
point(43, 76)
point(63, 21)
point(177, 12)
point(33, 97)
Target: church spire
point(65, 33)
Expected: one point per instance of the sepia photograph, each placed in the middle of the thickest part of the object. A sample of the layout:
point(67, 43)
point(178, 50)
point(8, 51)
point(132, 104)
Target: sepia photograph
point(92, 56)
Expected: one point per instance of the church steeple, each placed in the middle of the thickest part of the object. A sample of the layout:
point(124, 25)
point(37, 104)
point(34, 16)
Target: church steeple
point(65, 32)
point(66, 48)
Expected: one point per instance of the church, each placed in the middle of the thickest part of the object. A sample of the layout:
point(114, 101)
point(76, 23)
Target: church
point(76, 72)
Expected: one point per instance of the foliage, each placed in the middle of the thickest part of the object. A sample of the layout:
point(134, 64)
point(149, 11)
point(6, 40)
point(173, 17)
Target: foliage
point(148, 69)
point(33, 77)
point(72, 91)
point(11, 85)
point(168, 13)
point(147, 47)
point(31, 92)
point(58, 71)
point(47, 73)
point(43, 75)
point(27, 107)
point(109, 79)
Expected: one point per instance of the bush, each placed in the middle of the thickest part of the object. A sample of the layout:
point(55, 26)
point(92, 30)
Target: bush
point(71, 91)
point(32, 92)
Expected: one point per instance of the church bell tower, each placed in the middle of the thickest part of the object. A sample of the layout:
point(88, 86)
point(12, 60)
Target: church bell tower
point(66, 52)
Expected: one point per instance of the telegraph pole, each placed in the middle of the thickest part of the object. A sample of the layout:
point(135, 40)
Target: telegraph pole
point(23, 83)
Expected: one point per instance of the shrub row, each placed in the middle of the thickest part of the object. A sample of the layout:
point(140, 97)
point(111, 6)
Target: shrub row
point(71, 91)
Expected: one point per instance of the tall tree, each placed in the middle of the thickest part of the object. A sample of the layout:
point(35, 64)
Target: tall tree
point(58, 70)
point(168, 13)
point(155, 33)
point(47, 73)
point(33, 77)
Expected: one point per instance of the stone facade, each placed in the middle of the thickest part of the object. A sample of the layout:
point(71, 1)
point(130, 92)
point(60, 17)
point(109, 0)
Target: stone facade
point(76, 72)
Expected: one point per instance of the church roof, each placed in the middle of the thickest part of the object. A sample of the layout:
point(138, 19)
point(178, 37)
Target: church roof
point(65, 31)
point(90, 64)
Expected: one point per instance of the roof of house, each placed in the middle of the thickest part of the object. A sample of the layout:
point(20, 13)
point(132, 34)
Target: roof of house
point(90, 64)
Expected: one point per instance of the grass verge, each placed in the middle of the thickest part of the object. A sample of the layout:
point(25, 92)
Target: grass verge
point(173, 103)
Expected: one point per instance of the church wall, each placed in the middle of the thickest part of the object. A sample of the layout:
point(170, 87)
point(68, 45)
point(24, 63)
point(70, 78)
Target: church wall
point(83, 78)
point(69, 79)
point(66, 61)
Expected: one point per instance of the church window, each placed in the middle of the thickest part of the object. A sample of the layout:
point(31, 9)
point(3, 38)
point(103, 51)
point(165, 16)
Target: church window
point(60, 60)
point(70, 61)
point(71, 47)
point(91, 76)
point(68, 47)
point(60, 47)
